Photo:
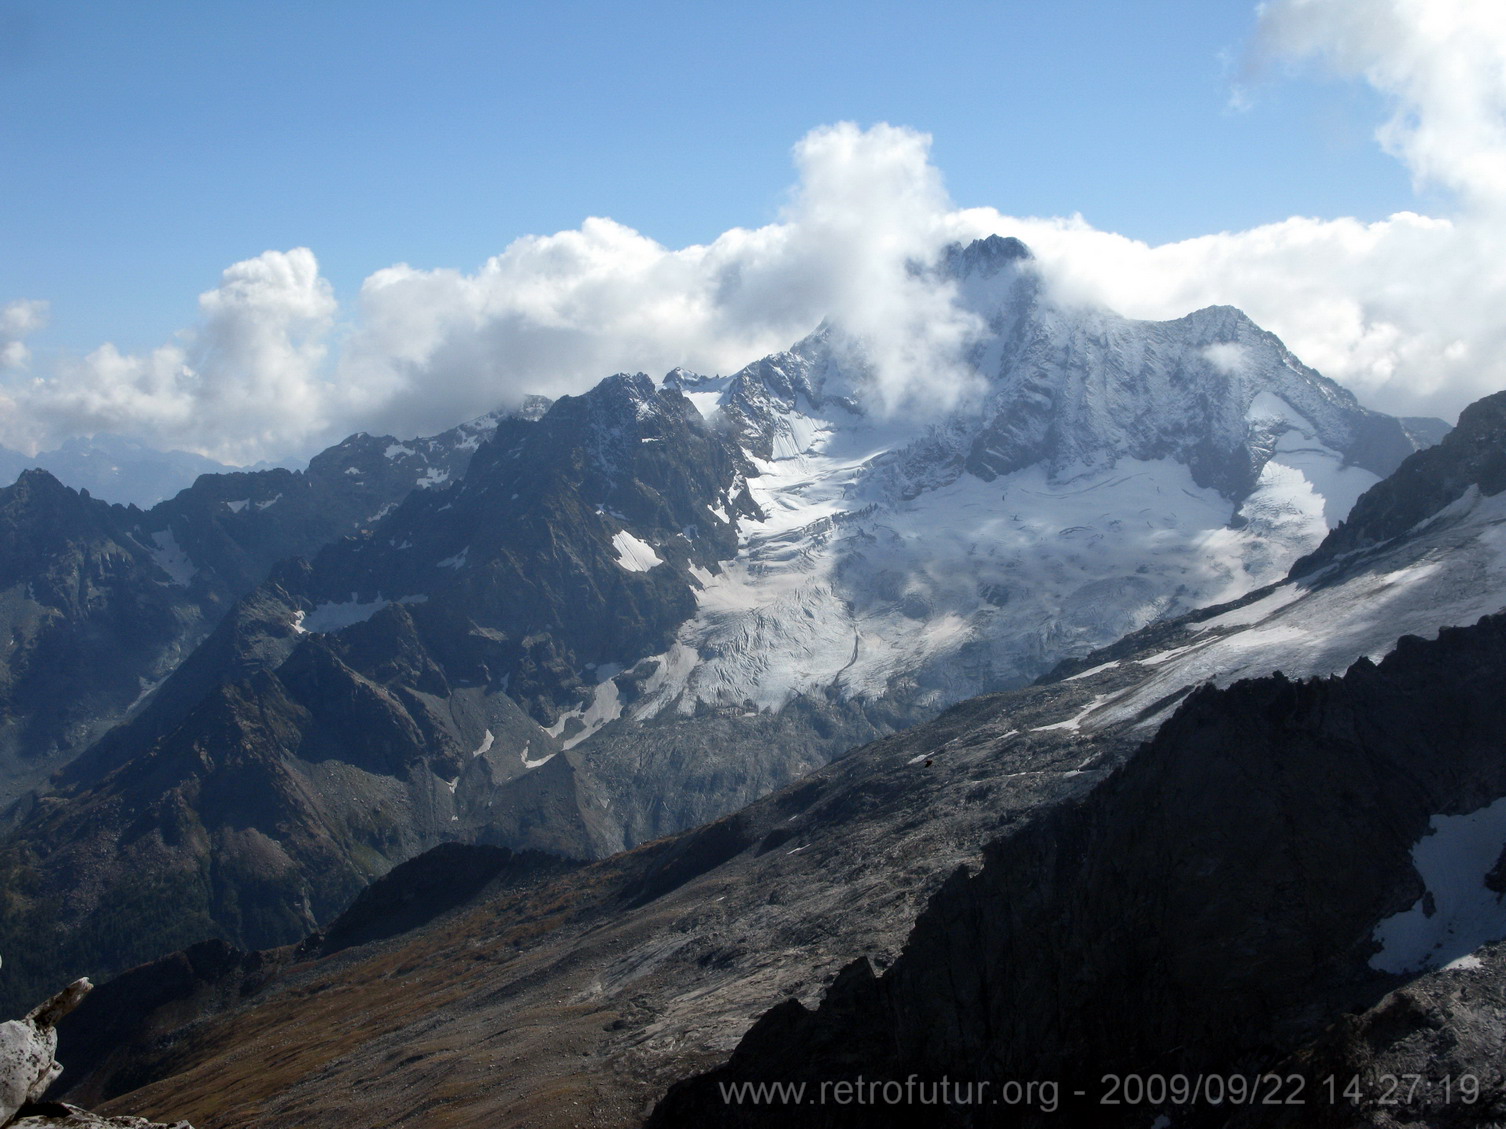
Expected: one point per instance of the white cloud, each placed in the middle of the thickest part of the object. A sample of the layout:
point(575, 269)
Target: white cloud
point(1406, 311)
point(245, 381)
point(1442, 64)
point(1227, 357)
point(554, 314)
point(18, 320)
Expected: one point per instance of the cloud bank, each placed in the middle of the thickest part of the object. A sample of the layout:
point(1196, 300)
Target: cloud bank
point(246, 380)
point(1405, 311)
point(554, 314)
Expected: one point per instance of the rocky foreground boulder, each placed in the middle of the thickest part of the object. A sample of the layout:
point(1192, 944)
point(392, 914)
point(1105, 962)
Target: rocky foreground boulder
point(28, 1067)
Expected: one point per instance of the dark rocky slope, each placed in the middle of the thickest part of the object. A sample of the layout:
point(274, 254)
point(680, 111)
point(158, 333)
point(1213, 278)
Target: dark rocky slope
point(99, 603)
point(129, 1027)
point(1207, 909)
point(579, 1002)
point(617, 979)
point(88, 618)
point(276, 799)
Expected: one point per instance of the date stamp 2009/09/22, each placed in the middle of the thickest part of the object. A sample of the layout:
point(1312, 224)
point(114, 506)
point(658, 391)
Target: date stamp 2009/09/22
point(1287, 1089)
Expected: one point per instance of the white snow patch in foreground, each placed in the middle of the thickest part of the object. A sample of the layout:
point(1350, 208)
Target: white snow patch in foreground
point(1452, 860)
point(633, 554)
point(237, 507)
point(171, 559)
point(486, 743)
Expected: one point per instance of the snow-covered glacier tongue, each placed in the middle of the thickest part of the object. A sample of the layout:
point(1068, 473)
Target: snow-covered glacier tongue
point(1101, 474)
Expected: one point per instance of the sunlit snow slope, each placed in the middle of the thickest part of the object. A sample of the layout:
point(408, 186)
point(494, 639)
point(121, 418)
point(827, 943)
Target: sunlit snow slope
point(1105, 473)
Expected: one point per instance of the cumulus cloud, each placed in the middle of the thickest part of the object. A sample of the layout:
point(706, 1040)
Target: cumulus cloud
point(246, 380)
point(1405, 311)
point(1227, 357)
point(553, 314)
point(18, 320)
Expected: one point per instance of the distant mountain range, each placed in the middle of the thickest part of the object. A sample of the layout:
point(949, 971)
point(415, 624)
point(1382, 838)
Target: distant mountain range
point(547, 755)
point(115, 469)
point(1160, 860)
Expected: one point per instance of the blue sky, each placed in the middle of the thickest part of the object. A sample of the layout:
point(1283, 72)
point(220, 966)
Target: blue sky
point(150, 146)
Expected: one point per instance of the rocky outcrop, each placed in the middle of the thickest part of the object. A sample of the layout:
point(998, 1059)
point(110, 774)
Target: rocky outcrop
point(61, 1115)
point(28, 1068)
point(1428, 1054)
point(27, 1049)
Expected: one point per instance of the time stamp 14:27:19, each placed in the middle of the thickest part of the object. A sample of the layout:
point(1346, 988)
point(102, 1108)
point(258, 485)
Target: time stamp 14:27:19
point(1287, 1089)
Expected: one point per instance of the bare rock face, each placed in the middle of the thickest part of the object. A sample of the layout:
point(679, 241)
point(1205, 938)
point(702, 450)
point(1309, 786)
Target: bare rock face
point(27, 1046)
point(28, 1068)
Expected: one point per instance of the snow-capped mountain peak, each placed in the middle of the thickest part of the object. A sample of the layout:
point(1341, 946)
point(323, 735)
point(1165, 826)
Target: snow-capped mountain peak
point(1113, 472)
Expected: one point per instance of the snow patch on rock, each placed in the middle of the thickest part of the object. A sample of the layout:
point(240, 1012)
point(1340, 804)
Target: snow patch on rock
point(173, 560)
point(634, 554)
point(1458, 913)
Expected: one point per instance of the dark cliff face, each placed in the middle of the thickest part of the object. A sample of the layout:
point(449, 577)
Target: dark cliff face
point(1207, 909)
point(1473, 454)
